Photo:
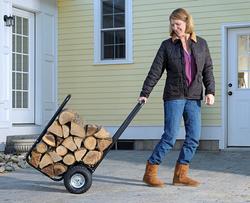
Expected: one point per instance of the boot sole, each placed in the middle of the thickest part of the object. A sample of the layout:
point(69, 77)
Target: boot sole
point(182, 184)
point(150, 185)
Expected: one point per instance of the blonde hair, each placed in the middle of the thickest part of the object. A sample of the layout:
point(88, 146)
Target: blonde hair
point(182, 14)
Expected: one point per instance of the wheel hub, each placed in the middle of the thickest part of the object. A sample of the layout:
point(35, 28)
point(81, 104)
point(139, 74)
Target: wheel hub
point(77, 180)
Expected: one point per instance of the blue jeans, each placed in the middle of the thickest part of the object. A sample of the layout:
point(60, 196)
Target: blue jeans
point(174, 110)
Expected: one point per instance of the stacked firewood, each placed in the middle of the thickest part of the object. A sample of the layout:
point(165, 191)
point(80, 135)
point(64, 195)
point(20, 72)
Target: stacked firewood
point(68, 141)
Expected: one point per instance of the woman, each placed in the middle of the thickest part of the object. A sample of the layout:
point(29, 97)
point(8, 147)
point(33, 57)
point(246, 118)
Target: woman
point(188, 64)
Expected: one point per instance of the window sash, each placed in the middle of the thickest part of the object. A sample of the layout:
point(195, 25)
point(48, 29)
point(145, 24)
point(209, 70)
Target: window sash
point(98, 29)
point(113, 50)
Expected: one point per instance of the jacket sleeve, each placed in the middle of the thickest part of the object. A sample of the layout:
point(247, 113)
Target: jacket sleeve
point(208, 77)
point(155, 72)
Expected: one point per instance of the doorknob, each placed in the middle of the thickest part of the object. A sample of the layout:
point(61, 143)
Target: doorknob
point(230, 93)
point(230, 85)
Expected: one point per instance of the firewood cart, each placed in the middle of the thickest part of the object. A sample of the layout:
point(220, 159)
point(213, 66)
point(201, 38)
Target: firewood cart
point(78, 177)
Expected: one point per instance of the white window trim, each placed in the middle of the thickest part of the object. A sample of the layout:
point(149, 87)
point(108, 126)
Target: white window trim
point(97, 35)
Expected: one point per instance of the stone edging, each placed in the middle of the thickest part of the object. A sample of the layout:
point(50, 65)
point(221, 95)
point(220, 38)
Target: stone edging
point(11, 162)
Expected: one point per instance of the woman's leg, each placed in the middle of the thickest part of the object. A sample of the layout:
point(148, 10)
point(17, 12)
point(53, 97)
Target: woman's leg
point(173, 111)
point(172, 117)
point(192, 121)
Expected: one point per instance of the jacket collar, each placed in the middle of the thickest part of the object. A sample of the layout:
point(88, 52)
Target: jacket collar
point(192, 37)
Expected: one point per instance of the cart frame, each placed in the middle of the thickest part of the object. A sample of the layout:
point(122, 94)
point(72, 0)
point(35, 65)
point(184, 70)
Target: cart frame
point(115, 138)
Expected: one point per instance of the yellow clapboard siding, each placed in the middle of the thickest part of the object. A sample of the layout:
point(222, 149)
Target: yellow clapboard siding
point(190, 5)
point(106, 93)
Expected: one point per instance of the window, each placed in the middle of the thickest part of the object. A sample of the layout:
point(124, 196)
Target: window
point(113, 27)
point(244, 61)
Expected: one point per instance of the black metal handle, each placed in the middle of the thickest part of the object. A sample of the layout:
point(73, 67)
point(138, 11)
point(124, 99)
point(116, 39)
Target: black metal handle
point(230, 85)
point(120, 130)
point(128, 120)
point(230, 93)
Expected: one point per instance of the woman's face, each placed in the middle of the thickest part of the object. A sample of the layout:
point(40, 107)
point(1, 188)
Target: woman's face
point(178, 26)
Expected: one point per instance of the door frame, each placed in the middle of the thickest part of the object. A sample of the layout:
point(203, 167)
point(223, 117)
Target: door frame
point(223, 143)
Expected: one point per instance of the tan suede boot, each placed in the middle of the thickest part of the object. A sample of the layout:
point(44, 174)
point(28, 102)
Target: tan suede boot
point(181, 178)
point(150, 177)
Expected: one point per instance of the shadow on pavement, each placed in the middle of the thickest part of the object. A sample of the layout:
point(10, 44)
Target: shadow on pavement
point(235, 162)
point(117, 180)
point(12, 183)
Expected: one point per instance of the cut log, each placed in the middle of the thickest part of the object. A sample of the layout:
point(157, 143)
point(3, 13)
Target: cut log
point(45, 161)
point(49, 170)
point(55, 157)
point(49, 139)
point(90, 143)
point(69, 144)
point(91, 129)
point(61, 150)
point(92, 157)
point(77, 130)
point(56, 129)
point(59, 141)
point(79, 154)
point(78, 142)
point(102, 134)
point(59, 169)
point(69, 159)
point(41, 147)
point(35, 158)
point(66, 116)
point(103, 144)
point(65, 129)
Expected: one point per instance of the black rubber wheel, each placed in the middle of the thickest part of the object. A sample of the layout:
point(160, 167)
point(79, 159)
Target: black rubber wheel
point(78, 179)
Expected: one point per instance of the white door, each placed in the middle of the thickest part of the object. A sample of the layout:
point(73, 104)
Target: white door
point(239, 87)
point(23, 67)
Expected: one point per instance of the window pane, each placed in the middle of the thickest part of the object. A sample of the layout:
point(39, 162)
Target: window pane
point(119, 6)
point(108, 37)
point(18, 99)
point(107, 7)
point(25, 99)
point(13, 99)
point(242, 43)
point(25, 45)
point(14, 27)
point(108, 52)
point(25, 63)
point(13, 80)
point(18, 62)
point(13, 43)
point(119, 20)
point(107, 21)
point(13, 61)
point(120, 37)
point(25, 26)
point(19, 44)
point(244, 80)
point(18, 81)
point(25, 81)
point(120, 51)
point(19, 25)
point(242, 63)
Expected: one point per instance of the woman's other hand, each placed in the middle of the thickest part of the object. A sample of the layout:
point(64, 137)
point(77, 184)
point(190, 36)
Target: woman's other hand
point(209, 99)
